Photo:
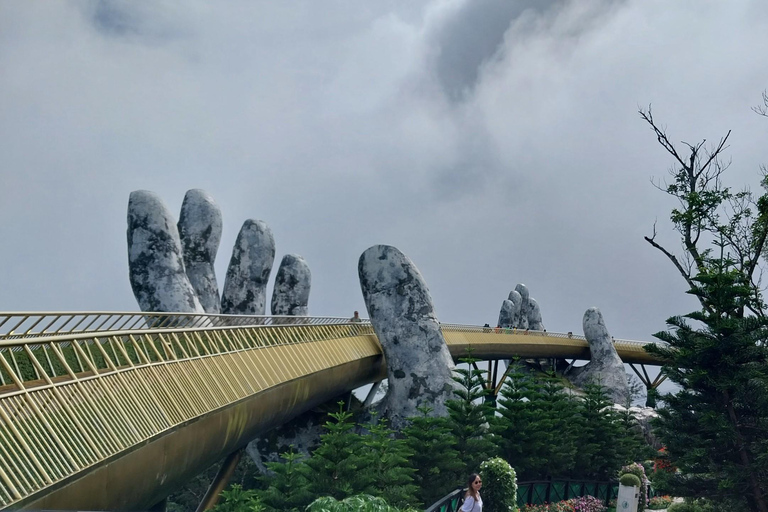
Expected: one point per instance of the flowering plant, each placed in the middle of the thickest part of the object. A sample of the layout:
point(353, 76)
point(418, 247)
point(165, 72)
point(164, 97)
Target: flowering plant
point(582, 504)
point(659, 502)
point(639, 471)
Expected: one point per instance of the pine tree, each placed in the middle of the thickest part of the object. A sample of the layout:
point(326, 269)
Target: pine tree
point(385, 470)
point(333, 469)
point(468, 416)
point(513, 427)
point(288, 488)
point(555, 428)
point(715, 428)
point(600, 435)
point(434, 458)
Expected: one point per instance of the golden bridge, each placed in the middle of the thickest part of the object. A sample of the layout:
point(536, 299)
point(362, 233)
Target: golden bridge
point(113, 411)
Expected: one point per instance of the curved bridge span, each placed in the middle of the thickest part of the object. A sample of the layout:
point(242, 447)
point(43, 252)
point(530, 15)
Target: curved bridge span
point(113, 411)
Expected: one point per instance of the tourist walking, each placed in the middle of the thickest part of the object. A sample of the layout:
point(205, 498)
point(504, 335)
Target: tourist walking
point(472, 500)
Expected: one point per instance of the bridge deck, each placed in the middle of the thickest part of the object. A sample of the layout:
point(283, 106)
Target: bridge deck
point(100, 411)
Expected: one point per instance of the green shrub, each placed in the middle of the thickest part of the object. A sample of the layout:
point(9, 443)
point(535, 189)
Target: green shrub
point(629, 480)
point(357, 503)
point(499, 486)
point(684, 507)
point(659, 502)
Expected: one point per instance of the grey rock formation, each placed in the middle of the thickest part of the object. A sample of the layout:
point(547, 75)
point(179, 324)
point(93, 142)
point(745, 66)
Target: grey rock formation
point(245, 287)
point(517, 302)
point(534, 316)
point(419, 365)
point(200, 231)
point(524, 306)
point(605, 365)
point(507, 314)
point(290, 295)
point(155, 264)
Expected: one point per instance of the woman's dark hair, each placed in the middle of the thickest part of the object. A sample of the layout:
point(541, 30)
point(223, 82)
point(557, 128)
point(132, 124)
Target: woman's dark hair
point(470, 489)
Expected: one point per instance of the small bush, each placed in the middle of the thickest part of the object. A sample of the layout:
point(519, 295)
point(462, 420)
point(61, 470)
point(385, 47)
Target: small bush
point(684, 507)
point(639, 471)
point(499, 486)
point(659, 502)
point(582, 504)
point(357, 503)
point(629, 480)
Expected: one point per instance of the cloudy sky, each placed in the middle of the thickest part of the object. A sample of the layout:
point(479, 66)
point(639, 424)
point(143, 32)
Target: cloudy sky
point(492, 141)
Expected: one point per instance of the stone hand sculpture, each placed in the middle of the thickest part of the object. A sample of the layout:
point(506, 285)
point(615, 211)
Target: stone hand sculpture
point(520, 311)
point(605, 366)
point(419, 365)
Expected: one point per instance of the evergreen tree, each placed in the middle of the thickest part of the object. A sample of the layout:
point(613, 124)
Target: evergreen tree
point(715, 428)
point(434, 458)
point(385, 469)
point(334, 468)
point(600, 435)
point(288, 488)
point(556, 420)
point(513, 428)
point(468, 416)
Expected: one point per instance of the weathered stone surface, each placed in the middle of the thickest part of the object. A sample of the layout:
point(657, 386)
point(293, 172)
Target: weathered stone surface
point(155, 265)
point(245, 287)
point(605, 365)
point(524, 306)
point(290, 295)
point(419, 365)
point(517, 302)
point(200, 228)
point(506, 315)
point(534, 316)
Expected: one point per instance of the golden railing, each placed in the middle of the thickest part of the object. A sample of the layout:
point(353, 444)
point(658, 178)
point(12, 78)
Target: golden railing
point(78, 389)
point(70, 401)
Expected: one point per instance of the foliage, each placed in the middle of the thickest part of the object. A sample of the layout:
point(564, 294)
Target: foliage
point(435, 459)
point(630, 480)
point(356, 503)
point(582, 504)
point(500, 486)
point(237, 499)
point(716, 427)
point(385, 469)
point(684, 507)
point(601, 435)
point(659, 502)
point(468, 416)
point(288, 488)
point(334, 468)
point(639, 471)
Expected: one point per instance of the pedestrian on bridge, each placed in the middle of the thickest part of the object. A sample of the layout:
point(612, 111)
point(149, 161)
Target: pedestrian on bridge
point(472, 500)
point(356, 318)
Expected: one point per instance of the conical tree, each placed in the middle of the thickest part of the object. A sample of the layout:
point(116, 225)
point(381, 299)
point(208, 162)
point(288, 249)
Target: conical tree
point(513, 428)
point(288, 488)
point(599, 436)
point(334, 468)
point(715, 428)
point(468, 416)
point(386, 470)
point(434, 458)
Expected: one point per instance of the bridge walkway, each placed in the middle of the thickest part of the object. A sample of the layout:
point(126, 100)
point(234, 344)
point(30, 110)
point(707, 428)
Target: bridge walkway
point(114, 410)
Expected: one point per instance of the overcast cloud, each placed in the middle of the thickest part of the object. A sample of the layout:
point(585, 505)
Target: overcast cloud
point(492, 141)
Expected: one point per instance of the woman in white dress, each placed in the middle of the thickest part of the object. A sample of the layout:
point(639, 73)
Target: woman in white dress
point(472, 500)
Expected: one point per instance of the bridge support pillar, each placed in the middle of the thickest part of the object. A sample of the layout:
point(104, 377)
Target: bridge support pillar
point(220, 481)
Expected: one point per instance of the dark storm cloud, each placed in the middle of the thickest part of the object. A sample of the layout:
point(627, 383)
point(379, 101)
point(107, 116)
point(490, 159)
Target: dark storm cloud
point(472, 36)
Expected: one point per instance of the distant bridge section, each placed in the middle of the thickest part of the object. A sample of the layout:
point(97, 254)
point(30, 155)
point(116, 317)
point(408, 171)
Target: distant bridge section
point(113, 411)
